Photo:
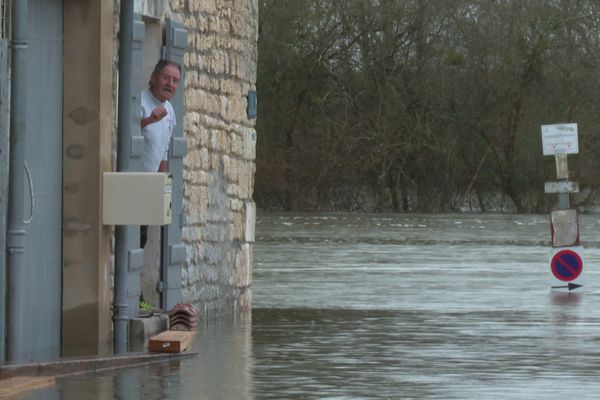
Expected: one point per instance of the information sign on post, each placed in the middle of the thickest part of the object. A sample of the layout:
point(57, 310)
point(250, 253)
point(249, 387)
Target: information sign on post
point(566, 257)
point(559, 139)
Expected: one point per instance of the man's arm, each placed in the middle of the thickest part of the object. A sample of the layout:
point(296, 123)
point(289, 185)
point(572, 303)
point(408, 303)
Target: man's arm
point(156, 115)
point(164, 166)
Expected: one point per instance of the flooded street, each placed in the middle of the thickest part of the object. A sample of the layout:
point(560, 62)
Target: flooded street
point(389, 306)
point(421, 307)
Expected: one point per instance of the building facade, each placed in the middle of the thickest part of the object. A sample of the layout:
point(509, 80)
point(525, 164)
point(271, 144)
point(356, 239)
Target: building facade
point(65, 63)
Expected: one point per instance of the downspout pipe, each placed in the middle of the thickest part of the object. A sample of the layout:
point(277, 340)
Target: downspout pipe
point(126, 115)
point(4, 143)
point(16, 227)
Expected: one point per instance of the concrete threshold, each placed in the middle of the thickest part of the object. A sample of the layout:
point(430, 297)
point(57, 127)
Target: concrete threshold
point(143, 328)
point(13, 386)
point(18, 378)
point(65, 367)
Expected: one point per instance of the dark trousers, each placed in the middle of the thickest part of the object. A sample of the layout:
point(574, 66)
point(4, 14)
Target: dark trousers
point(143, 235)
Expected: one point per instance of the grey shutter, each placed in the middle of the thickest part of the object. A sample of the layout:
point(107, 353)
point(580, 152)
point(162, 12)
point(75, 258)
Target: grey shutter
point(173, 250)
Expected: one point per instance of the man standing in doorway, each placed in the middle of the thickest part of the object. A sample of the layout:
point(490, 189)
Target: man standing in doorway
point(158, 120)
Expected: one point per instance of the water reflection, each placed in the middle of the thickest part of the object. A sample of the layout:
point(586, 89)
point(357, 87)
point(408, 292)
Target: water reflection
point(566, 299)
point(307, 353)
point(223, 368)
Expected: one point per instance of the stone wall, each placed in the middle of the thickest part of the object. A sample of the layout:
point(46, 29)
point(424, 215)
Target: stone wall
point(219, 167)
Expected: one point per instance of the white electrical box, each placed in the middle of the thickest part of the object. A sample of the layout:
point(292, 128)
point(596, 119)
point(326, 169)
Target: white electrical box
point(136, 198)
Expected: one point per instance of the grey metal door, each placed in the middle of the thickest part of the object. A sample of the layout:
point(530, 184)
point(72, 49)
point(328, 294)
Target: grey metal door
point(43, 186)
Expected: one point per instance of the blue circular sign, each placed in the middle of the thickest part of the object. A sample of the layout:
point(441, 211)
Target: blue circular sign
point(566, 265)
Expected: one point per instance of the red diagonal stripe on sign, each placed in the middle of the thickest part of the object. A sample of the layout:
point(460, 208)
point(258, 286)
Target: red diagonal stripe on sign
point(567, 266)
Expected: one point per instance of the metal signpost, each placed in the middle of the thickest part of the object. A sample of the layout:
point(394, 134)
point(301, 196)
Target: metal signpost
point(566, 256)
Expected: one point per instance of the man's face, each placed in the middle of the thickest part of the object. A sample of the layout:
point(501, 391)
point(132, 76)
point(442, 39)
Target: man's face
point(164, 84)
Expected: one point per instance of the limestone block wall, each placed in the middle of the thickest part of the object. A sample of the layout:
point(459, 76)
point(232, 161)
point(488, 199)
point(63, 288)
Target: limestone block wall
point(219, 167)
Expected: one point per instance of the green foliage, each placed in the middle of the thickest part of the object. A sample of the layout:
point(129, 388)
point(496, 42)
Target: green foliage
point(145, 306)
point(420, 105)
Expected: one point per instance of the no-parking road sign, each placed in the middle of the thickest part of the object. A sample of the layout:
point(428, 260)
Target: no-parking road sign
point(566, 267)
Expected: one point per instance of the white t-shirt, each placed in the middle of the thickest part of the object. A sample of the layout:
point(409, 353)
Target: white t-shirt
point(156, 135)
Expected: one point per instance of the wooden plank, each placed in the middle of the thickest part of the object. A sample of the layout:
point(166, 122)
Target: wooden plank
point(18, 384)
point(171, 341)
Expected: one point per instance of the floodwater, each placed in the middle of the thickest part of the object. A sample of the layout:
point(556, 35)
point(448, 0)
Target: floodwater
point(357, 306)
